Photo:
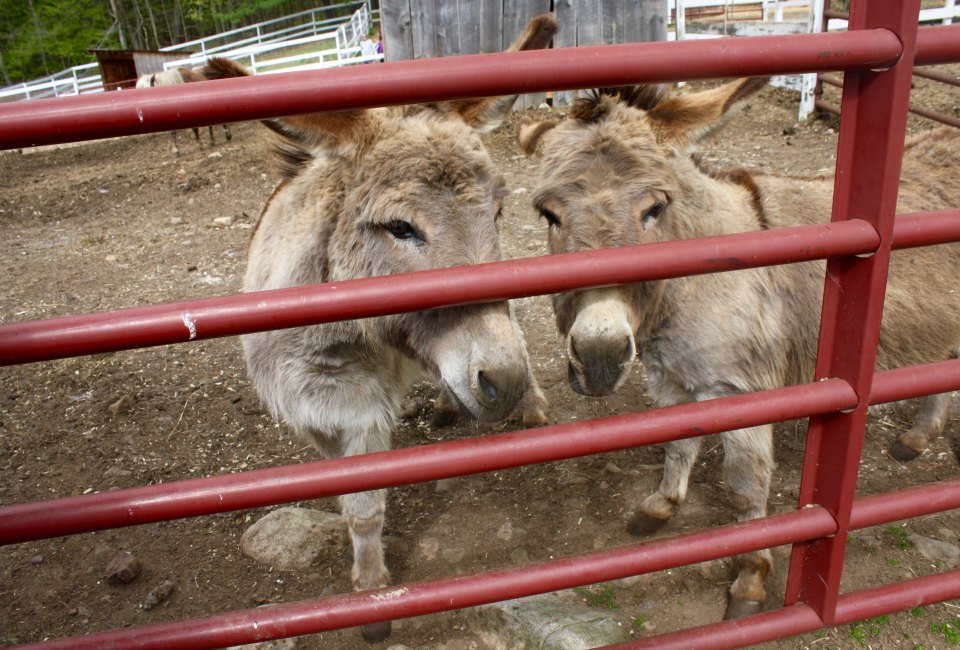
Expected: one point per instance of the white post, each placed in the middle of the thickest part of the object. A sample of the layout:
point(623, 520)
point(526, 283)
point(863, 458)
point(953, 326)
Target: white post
point(681, 21)
point(808, 82)
point(949, 5)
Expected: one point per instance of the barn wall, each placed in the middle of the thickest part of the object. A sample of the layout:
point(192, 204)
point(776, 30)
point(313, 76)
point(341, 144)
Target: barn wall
point(416, 29)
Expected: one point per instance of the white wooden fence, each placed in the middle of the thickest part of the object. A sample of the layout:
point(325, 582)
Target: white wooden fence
point(807, 16)
point(320, 43)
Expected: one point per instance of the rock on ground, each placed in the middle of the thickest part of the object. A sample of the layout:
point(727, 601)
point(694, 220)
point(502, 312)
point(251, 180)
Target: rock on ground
point(294, 538)
point(546, 623)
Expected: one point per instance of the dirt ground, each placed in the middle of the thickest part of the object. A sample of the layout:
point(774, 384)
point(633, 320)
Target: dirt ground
point(122, 223)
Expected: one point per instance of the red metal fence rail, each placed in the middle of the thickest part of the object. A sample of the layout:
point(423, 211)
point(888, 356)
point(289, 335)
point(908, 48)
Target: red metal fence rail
point(923, 73)
point(877, 55)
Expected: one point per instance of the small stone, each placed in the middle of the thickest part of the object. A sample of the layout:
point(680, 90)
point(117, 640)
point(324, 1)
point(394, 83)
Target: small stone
point(506, 532)
point(453, 554)
point(157, 595)
point(122, 405)
point(176, 221)
point(446, 484)
point(519, 555)
point(429, 548)
point(215, 155)
point(936, 551)
point(217, 186)
point(83, 612)
point(224, 221)
point(110, 258)
point(611, 468)
point(123, 568)
point(520, 190)
point(117, 472)
point(36, 559)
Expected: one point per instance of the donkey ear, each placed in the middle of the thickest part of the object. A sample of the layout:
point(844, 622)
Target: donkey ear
point(302, 135)
point(485, 114)
point(310, 130)
point(683, 120)
point(529, 134)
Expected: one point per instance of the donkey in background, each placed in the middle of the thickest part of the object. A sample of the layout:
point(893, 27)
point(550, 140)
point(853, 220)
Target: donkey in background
point(371, 193)
point(619, 172)
point(173, 77)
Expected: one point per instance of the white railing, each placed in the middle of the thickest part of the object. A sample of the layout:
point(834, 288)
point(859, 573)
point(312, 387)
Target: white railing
point(810, 19)
point(243, 44)
point(344, 49)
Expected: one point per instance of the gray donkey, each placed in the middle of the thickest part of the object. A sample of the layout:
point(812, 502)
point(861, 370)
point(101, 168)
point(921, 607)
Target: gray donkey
point(372, 193)
point(619, 172)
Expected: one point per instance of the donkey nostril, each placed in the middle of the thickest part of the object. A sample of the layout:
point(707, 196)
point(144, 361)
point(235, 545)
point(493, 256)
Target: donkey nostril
point(487, 387)
point(573, 353)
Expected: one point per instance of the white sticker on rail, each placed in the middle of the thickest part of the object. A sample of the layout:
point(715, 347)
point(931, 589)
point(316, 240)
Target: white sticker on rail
point(191, 324)
point(390, 595)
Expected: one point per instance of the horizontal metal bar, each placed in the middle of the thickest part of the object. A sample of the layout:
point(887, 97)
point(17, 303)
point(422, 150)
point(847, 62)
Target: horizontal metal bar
point(225, 316)
point(936, 116)
point(905, 504)
point(926, 228)
point(147, 504)
point(915, 381)
point(936, 45)
point(934, 75)
point(149, 110)
point(349, 610)
point(797, 619)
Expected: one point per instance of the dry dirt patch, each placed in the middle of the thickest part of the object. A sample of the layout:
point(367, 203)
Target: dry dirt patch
point(121, 223)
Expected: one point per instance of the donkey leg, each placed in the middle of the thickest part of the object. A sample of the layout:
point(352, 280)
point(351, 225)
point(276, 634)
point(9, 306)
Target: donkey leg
point(657, 508)
point(445, 410)
point(747, 466)
point(226, 131)
point(930, 422)
point(210, 131)
point(364, 512)
point(533, 404)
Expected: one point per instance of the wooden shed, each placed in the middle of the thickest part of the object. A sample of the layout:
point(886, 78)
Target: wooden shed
point(121, 68)
point(413, 29)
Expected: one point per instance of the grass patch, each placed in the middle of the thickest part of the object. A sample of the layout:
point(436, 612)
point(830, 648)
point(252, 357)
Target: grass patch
point(861, 631)
point(604, 598)
point(900, 536)
point(950, 631)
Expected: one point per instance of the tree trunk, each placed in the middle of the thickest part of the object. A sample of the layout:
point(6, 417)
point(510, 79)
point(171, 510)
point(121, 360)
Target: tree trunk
point(153, 27)
point(39, 28)
point(3, 71)
point(116, 7)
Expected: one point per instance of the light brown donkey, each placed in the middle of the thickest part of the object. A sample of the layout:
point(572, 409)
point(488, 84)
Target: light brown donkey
point(372, 193)
point(175, 77)
point(619, 172)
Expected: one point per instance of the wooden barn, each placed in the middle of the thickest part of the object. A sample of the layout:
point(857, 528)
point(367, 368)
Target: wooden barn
point(413, 29)
point(121, 68)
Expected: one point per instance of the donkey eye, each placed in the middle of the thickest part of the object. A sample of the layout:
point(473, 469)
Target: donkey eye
point(655, 211)
point(552, 219)
point(402, 230)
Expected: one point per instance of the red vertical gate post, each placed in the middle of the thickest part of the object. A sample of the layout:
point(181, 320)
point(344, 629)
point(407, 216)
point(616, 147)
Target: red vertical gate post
point(872, 132)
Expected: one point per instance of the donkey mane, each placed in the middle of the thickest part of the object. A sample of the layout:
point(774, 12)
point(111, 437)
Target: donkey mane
point(592, 108)
point(737, 176)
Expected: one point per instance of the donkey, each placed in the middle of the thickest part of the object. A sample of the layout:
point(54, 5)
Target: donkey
point(372, 193)
point(174, 77)
point(619, 172)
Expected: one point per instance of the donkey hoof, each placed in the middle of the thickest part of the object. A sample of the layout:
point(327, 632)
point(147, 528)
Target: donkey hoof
point(738, 608)
point(901, 452)
point(643, 524)
point(441, 419)
point(375, 632)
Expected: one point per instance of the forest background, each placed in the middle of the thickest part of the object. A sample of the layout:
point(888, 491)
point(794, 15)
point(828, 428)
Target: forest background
point(43, 37)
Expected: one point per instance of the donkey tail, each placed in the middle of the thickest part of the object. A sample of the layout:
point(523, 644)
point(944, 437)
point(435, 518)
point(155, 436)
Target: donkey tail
point(220, 68)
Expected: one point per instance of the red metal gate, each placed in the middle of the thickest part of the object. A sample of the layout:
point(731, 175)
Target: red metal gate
point(878, 55)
